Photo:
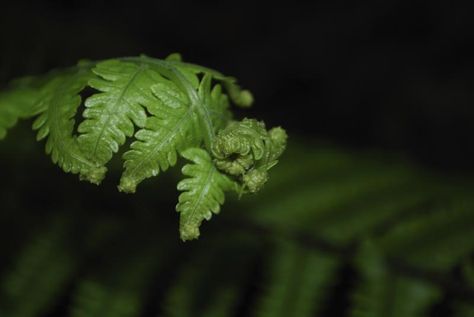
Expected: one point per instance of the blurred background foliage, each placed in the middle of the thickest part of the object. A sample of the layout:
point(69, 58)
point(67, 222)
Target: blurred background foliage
point(370, 212)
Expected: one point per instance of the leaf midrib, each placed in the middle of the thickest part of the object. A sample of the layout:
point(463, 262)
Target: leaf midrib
point(166, 139)
point(204, 191)
point(195, 102)
point(56, 126)
point(118, 101)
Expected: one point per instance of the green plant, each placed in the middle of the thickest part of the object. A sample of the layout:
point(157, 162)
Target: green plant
point(169, 107)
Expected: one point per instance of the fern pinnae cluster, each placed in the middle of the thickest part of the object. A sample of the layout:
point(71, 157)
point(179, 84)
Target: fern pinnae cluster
point(169, 108)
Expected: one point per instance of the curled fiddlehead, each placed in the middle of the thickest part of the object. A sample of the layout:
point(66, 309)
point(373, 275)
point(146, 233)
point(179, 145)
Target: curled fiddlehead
point(246, 150)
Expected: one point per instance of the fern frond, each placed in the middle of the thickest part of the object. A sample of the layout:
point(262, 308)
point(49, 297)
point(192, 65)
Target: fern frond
point(172, 127)
point(327, 201)
point(17, 103)
point(119, 291)
point(215, 114)
point(166, 106)
point(58, 101)
point(38, 274)
point(383, 236)
point(203, 192)
point(297, 283)
point(218, 107)
point(442, 235)
point(463, 310)
point(43, 269)
point(180, 300)
point(203, 289)
point(404, 213)
point(110, 116)
point(384, 293)
point(242, 98)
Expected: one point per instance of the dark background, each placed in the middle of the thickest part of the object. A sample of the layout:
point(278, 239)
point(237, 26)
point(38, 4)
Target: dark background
point(382, 74)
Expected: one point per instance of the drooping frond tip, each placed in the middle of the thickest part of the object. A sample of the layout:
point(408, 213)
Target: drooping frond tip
point(203, 192)
point(243, 153)
point(168, 108)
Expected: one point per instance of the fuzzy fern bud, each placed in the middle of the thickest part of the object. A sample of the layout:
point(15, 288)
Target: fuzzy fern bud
point(245, 149)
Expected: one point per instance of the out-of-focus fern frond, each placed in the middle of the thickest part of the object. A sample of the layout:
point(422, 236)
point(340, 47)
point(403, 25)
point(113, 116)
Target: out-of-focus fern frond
point(39, 274)
point(418, 228)
point(47, 263)
point(15, 104)
point(463, 308)
point(442, 235)
point(203, 286)
point(118, 291)
point(405, 234)
point(298, 282)
point(380, 292)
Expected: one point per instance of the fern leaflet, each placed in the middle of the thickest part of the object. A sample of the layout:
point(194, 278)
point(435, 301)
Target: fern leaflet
point(172, 127)
point(111, 115)
point(203, 192)
point(58, 101)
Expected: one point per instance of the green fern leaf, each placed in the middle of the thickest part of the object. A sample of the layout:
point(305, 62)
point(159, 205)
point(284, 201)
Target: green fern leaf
point(172, 127)
point(242, 98)
point(219, 107)
point(202, 288)
point(59, 101)
point(384, 293)
point(39, 273)
point(175, 106)
point(16, 104)
point(125, 88)
point(464, 310)
point(203, 192)
point(298, 280)
point(215, 112)
point(444, 235)
point(117, 292)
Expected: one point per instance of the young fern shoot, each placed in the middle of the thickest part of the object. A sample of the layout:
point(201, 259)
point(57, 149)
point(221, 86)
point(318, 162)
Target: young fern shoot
point(170, 108)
